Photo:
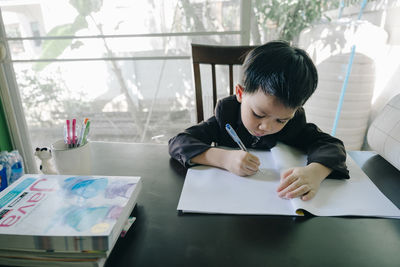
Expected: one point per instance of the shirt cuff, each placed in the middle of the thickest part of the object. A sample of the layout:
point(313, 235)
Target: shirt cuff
point(190, 163)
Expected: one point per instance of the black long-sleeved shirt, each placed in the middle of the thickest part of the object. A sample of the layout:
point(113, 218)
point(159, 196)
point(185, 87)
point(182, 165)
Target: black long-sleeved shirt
point(319, 146)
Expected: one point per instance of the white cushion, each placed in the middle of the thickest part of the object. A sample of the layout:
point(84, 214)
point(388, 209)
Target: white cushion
point(384, 132)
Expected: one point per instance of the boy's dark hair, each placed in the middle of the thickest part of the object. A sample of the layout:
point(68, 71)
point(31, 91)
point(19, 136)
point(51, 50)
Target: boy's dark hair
point(281, 70)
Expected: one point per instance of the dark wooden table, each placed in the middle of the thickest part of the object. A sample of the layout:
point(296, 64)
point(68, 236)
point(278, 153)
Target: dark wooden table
point(161, 236)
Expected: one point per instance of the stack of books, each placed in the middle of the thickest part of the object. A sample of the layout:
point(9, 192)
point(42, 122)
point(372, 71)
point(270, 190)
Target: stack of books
point(64, 220)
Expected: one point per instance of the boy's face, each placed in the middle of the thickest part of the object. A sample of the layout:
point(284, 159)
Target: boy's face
point(262, 114)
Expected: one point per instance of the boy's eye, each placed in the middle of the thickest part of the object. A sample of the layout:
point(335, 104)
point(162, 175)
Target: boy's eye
point(281, 121)
point(257, 116)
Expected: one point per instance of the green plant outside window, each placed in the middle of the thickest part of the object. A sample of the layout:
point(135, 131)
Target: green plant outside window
point(5, 140)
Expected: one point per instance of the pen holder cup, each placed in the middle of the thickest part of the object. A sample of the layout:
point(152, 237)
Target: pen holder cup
point(76, 161)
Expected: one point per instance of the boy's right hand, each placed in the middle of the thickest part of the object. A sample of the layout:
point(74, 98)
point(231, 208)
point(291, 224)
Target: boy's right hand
point(241, 162)
point(236, 161)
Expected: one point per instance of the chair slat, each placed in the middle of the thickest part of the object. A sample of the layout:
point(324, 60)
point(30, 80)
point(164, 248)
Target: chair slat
point(199, 94)
point(230, 79)
point(214, 85)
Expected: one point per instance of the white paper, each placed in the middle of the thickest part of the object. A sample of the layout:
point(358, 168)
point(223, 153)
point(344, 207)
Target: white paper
point(212, 190)
point(356, 196)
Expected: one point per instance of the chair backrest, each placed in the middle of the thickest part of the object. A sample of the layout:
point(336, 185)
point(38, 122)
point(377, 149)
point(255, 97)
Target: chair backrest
point(215, 55)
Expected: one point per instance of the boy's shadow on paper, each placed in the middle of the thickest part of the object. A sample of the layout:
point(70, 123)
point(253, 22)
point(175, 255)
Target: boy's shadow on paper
point(266, 175)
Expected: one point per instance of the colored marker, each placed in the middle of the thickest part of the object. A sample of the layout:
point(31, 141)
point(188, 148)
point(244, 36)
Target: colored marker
point(73, 132)
point(83, 127)
point(68, 134)
point(84, 140)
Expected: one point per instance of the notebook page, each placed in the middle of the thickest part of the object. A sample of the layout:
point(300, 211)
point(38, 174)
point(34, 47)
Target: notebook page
point(357, 196)
point(286, 157)
point(212, 190)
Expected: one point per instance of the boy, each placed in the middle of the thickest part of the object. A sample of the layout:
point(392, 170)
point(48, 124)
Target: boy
point(277, 81)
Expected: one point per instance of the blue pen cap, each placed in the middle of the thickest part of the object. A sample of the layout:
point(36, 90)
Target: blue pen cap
point(234, 136)
point(232, 132)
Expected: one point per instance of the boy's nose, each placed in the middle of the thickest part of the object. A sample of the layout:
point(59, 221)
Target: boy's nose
point(265, 126)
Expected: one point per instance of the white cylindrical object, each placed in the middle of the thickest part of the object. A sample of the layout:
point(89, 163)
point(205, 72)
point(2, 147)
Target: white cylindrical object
point(329, 46)
point(75, 161)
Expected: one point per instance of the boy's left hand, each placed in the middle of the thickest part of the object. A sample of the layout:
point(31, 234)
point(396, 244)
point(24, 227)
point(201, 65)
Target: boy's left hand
point(302, 181)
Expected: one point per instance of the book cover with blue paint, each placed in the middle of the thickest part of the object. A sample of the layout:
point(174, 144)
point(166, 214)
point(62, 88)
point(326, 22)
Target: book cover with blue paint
point(66, 213)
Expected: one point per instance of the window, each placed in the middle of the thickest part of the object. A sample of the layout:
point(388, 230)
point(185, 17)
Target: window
point(36, 32)
point(123, 64)
point(17, 46)
point(126, 64)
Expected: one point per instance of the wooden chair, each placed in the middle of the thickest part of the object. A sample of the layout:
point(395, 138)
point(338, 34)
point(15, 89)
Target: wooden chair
point(215, 55)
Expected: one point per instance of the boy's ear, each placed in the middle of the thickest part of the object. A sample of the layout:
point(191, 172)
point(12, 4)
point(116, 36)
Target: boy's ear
point(239, 92)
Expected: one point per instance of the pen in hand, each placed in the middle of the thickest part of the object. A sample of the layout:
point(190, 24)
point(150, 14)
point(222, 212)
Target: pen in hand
point(236, 138)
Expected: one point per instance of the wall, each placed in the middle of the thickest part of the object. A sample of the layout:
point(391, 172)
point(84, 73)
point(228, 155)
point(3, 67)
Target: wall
point(5, 140)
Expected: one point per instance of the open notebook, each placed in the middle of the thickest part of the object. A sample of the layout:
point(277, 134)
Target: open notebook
point(212, 190)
